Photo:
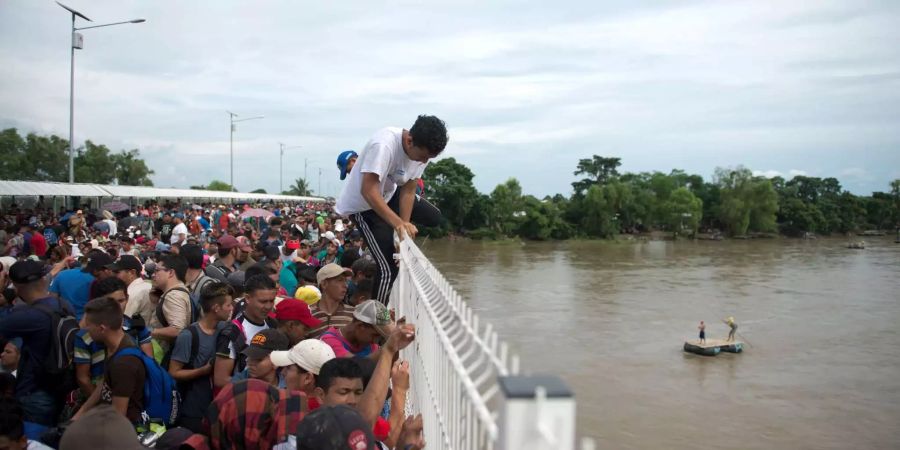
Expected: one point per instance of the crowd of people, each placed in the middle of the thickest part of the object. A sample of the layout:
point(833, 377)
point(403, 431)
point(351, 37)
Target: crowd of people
point(262, 329)
point(204, 326)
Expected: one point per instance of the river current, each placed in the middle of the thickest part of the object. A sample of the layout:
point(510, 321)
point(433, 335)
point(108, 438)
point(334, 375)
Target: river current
point(822, 365)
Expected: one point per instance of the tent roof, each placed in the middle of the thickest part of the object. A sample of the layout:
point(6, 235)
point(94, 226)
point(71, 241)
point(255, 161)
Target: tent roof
point(34, 188)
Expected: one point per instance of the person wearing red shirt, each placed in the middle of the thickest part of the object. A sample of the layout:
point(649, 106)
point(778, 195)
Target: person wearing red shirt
point(38, 243)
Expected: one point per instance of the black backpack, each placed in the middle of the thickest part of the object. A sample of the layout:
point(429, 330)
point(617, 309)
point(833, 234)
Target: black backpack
point(64, 327)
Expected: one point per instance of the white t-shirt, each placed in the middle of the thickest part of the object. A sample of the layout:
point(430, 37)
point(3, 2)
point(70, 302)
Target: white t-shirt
point(250, 330)
point(382, 155)
point(179, 229)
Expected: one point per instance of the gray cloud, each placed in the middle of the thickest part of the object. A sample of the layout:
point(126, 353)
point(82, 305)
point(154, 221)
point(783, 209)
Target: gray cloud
point(526, 89)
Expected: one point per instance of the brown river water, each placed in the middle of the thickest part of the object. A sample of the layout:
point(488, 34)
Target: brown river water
point(821, 371)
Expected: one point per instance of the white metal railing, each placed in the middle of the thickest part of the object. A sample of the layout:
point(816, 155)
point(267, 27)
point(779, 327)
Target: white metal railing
point(464, 381)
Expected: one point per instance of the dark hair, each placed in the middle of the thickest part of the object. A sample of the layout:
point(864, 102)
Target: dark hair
point(258, 283)
point(193, 254)
point(178, 264)
point(364, 287)
point(271, 252)
point(109, 285)
point(273, 233)
point(429, 133)
point(7, 388)
point(12, 424)
point(104, 311)
point(214, 293)
point(338, 368)
point(364, 266)
point(259, 269)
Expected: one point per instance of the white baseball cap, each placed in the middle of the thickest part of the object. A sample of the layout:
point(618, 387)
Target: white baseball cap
point(309, 354)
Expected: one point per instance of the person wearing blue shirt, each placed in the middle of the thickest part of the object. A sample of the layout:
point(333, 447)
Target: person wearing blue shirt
point(34, 326)
point(74, 285)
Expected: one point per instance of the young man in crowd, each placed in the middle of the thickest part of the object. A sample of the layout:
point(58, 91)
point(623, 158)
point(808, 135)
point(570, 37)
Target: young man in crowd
point(173, 313)
point(128, 269)
point(301, 365)
point(259, 300)
point(226, 261)
point(331, 310)
point(195, 278)
point(361, 293)
point(245, 257)
point(74, 285)
point(191, 364)
point(294, 319)
point(35, 389)
point(165, 226)
point(12, 429)
point(371, 321)
point(380, 196)
point(259, 366)
point(123, 378)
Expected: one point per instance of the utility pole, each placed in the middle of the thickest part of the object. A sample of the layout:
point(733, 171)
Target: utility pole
point(320, 181)
point(231, 117)
point(281, 166)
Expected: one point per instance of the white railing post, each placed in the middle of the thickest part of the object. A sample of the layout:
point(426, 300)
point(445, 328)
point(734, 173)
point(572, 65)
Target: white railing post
point(463, 378)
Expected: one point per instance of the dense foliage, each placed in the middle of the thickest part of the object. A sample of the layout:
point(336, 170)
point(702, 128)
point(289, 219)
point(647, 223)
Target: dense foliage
point(42, 158)
point(605, 203)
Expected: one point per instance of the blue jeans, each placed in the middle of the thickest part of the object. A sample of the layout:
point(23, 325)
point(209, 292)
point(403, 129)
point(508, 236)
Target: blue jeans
point(40, 410)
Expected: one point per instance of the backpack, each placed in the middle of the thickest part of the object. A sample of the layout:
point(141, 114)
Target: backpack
point(183, 386)
point(161, 397)
point(64, 327)
point(195, 306)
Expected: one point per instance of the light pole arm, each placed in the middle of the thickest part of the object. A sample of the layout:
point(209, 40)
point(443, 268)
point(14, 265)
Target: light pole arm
point(111, 24)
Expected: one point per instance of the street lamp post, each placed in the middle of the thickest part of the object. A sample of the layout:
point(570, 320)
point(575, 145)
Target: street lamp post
point(78, 42)
point(231, 117)
point(281, 165)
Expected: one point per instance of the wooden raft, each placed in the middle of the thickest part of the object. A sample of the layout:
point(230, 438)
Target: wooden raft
point(712, 347)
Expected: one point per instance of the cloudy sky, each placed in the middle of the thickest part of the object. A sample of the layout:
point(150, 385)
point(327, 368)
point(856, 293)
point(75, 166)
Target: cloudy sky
point(526, 88)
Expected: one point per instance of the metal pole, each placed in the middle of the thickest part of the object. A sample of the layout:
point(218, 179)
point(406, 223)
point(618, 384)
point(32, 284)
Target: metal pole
point(305, 162)
point(72, 104)
point(231, 149)
point(320, 181)
point(281, 169)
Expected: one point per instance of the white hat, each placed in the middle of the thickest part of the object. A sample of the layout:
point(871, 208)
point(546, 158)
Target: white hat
point(309, 354)
point(328, 235)
point(339, 225)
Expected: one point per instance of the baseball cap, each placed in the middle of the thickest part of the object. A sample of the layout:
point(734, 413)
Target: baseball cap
point(374, 313)
point(330, 271)
point(102, 427)
point(309, 294)
point(343, 159)
point(310, 354)
point(126, 262)
point(28, 271)
point(328, 235)
point(265, 342)
point(244, 244)
point(97, 260)
point(334, 428)
point(293, 244)
point(227, 242)
point(293, 309)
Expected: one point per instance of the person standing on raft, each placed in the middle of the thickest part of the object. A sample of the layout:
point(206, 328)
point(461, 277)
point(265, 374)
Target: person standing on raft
point(730, 323)
point(702, 329)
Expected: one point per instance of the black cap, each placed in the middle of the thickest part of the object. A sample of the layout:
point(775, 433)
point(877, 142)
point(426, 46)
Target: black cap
point(27, 271)
point(126, 262)
point(97, 260)
point(265, 342)
point(333, 428)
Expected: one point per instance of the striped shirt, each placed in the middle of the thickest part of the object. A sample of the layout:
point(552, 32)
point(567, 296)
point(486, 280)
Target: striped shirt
point(342, 316)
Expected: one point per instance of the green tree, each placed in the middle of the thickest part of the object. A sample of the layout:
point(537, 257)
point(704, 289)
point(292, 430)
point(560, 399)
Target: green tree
point(258, 191)
point(450, 188)
point(216, 185)
point(683, 210)
point(599, 170)
point(94, 164)
point(507, 206)
point(130, 169)
point(299, 188)
point(599, 219)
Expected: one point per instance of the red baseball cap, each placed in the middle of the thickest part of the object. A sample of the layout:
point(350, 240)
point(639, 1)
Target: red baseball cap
point(293, 309)
point(293, 244)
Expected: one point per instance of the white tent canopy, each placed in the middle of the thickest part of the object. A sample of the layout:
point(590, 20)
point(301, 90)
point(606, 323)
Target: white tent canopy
point(49, 189)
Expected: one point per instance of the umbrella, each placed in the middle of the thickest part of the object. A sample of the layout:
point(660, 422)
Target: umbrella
point(256, 212)
point(115, 206)
point(196, 206)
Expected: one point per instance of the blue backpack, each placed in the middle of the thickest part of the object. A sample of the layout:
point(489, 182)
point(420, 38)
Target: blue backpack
point(161, 397)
